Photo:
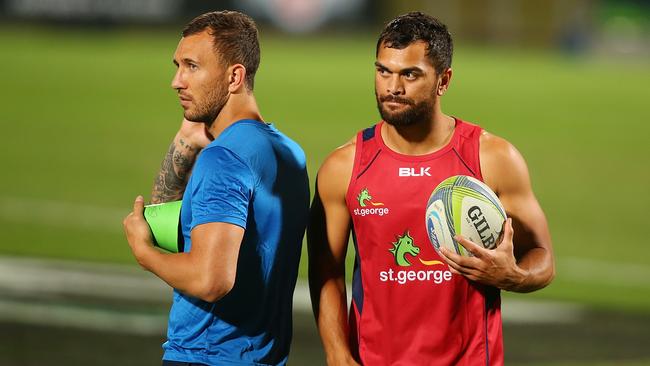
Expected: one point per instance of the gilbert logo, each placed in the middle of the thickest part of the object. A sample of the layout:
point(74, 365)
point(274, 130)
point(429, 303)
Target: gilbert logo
point(411, 172)
point(481, 225)
point(365, 199)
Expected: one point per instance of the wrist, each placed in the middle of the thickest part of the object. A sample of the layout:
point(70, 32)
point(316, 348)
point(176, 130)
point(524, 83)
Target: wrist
point(517, 280)
point(340, 358)
point(142, 253)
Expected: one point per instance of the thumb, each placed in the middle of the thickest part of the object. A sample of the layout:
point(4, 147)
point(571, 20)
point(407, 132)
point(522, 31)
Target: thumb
point(138, 206)
point(508, 232)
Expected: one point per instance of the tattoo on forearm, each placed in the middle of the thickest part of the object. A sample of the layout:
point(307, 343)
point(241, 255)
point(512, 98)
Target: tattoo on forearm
point(174, 172)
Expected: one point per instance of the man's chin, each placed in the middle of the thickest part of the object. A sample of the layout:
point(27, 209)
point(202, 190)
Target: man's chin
point(395, 119)
point(194, 118)
point(399, 122)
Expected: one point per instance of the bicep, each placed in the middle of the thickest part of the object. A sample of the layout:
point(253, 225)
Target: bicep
point(215, 248)
point(528, 219)
point(505, 171)
point(329, 227)
point(220, 198)
point(329, 224)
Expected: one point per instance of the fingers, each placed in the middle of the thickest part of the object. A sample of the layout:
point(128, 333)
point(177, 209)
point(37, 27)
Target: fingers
point(138, 206)
point(457, 261)
point(125, 221)
point(458, 264)
point(476, 250)
point(507, 234)
point(509, 231)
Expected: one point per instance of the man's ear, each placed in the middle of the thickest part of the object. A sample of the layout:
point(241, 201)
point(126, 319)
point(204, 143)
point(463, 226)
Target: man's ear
point(443, 82)
point(236, 78)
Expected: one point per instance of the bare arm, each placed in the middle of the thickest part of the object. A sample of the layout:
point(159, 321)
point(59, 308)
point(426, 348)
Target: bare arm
point(327, 238)
point(523, 261)
point(175, 169)
point(506, 171)
point(207, 271)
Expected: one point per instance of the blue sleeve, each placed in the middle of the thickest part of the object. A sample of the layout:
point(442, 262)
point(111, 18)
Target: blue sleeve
point(223, 187)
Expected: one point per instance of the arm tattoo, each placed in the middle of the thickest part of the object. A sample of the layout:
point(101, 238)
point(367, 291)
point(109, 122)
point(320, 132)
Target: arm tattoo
point(174, 172)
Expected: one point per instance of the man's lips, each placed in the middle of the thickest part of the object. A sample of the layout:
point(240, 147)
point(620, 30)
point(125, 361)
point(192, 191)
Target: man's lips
point(393, 105)
point(185, 100)
point(395, 101)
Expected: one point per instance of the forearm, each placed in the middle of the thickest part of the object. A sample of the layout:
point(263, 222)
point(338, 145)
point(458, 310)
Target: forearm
point(175, 169)
point(183, 272)
point(332, 320)
point(536, 271)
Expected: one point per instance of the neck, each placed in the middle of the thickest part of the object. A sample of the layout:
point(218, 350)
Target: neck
point(420, 138)
point(239, 106)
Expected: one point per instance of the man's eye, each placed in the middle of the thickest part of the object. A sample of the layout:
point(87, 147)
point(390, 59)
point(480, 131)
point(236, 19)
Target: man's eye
point(193, 67)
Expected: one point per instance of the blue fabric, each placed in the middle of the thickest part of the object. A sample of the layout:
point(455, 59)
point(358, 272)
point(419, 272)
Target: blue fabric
point(255, 177)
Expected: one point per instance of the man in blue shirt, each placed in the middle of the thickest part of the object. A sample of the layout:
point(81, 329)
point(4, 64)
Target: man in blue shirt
point(244, 209)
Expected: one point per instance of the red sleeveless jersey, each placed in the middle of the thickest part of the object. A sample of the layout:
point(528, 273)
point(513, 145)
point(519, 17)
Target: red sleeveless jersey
point(407, 308)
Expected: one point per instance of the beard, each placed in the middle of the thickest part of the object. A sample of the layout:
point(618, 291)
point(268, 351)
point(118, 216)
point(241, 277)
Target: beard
point(412, 114)
point(208, 109)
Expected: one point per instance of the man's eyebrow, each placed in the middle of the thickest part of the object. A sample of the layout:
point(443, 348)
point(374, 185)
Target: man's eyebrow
point(379, 65)
point(185, 61)
point(414, 69)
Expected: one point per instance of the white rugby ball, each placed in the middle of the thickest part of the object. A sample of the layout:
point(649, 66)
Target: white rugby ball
point(466, 206)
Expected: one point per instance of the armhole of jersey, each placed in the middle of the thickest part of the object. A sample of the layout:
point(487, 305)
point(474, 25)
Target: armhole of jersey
point(355, 168)
point(478, 154)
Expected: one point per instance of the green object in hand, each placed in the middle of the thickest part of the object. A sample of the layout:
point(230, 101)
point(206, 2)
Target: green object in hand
point(164, 221)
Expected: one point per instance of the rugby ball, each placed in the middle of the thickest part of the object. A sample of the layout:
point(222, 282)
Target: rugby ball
point(466, 206)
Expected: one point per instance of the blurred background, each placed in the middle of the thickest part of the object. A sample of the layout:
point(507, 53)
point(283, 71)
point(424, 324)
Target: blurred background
point(88, 113)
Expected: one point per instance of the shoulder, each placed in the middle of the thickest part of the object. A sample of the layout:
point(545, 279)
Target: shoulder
point(244, 135)
point(493, 146)
point(502, 165)
point(335, 172)
point(219, 152)
point(341, 159)
point(248, 141)
point(220, 162)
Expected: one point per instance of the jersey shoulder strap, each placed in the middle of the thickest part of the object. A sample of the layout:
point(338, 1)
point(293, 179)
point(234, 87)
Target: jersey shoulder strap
point(467, 146)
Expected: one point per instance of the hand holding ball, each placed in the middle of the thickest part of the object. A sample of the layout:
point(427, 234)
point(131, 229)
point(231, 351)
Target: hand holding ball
point(462, 205)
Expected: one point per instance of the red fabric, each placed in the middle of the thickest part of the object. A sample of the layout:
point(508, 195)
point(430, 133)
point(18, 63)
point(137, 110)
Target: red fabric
point(400, 315)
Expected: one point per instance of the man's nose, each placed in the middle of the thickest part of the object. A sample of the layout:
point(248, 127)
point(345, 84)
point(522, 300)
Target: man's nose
point(395, 86)
point(178, 82)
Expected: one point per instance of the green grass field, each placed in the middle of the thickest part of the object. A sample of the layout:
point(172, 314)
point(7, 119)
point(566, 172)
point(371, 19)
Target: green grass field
point(87, 117)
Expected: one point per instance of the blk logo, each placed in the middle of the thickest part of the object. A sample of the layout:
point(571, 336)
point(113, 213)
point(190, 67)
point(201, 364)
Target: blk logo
point(412, 172)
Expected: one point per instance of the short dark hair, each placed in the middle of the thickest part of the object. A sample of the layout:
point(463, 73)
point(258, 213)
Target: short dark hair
point(416, 26)
point(235, 39)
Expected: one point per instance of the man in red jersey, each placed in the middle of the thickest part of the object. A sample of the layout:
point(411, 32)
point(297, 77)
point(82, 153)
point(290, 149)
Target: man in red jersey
point(410, 305)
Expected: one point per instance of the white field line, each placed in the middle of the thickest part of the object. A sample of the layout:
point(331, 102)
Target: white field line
point(34, 277)
point(62, 214)
point(584, 270)
point(82, 318)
